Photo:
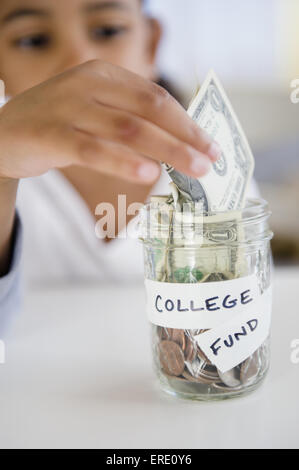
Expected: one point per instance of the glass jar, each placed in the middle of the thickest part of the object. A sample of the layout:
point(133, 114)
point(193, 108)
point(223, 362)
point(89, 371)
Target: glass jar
point(208, 284)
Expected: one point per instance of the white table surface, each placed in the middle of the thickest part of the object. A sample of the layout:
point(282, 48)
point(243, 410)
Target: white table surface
point(78, 374)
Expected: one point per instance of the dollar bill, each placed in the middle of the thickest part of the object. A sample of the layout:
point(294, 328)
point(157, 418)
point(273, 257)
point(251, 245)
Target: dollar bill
point(224, 187)
point(179, 235)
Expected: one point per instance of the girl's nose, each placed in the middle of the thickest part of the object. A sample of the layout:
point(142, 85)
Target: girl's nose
point(75, 53)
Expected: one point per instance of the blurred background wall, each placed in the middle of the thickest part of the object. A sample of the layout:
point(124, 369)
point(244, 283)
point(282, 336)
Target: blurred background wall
point(254, 48)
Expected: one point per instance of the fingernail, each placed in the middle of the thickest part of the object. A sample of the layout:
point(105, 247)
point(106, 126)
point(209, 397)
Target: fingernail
point(200, 165)
point(148, 172)
point(214, 151)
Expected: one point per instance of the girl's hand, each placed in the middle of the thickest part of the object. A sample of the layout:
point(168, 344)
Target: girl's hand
point(104, 117)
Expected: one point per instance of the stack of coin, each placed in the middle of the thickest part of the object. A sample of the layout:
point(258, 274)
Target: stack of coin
point(180, 357)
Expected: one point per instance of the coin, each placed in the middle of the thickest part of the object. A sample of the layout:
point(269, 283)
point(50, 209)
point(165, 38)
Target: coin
point(171, 357)
point(231, 378)
point(190, 350)
point(209, 372)
point(178, 336)
point(164, 333)
point(250, 368)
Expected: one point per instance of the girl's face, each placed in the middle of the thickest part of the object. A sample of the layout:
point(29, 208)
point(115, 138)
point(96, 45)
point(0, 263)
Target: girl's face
point(41, 38)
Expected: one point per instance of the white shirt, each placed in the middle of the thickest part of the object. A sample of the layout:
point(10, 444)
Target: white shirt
point(60, 242)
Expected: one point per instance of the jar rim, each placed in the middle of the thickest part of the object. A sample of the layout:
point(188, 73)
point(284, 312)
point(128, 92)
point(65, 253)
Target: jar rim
point(161, 224)
point(259, 205)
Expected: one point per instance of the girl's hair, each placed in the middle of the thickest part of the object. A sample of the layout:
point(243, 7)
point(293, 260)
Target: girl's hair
point(162, 81)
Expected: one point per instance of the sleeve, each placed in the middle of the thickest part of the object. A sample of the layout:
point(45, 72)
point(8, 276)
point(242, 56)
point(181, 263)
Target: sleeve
point(10, 284)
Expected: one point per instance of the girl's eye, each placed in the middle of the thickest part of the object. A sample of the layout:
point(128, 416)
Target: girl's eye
point(34, 41)
point(107, 32)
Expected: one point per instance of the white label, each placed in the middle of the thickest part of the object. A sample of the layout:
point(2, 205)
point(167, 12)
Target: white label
point(237, 316)
point(200, 305)
point(232, 342)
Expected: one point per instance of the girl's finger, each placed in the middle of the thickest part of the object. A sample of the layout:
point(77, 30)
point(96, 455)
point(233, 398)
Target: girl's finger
point(113, 159)
point(125, 90)
point(142, 137)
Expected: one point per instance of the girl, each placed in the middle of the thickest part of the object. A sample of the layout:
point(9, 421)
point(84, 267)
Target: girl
point(85, 123)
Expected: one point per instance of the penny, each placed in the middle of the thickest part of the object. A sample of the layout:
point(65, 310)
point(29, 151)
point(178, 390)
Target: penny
point(190, 350)
point(164, 333)
point(231, 378)
point(178, 336)
point(171, 357)
point(167, 333)
point(250, 368)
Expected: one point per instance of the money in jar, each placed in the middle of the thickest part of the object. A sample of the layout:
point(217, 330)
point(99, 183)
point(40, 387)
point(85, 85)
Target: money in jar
point(207, 267)
point(208, 286)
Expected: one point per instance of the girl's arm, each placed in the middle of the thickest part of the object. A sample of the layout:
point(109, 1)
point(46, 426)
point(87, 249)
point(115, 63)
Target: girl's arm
point(100, 116)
